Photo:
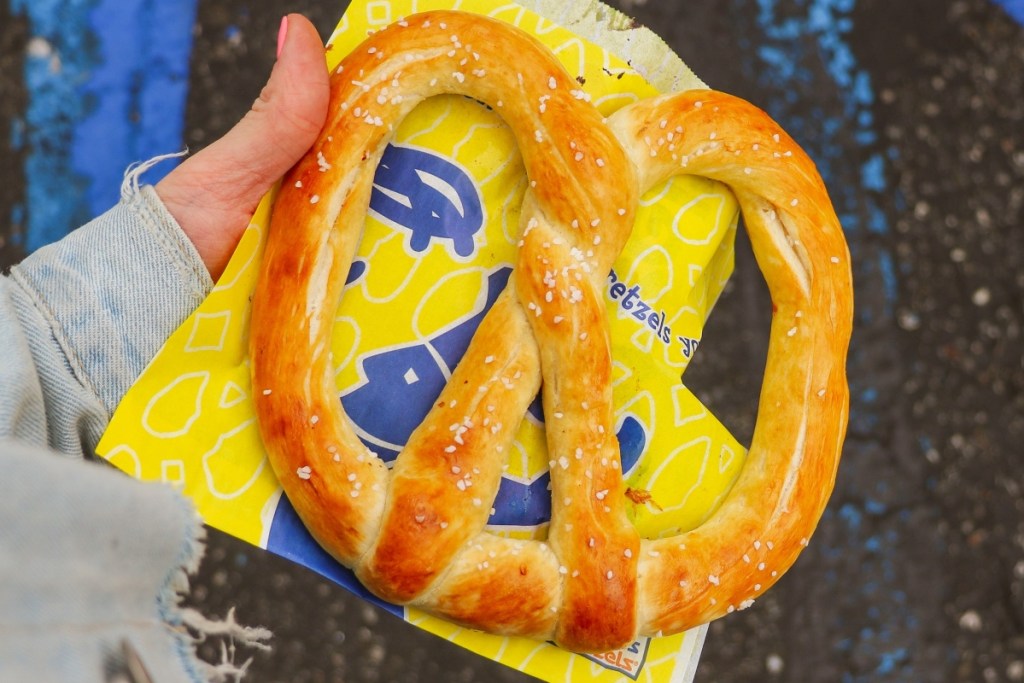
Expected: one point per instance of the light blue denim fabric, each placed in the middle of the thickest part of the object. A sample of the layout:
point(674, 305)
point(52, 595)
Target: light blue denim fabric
point(81, 318)
point(88, 556)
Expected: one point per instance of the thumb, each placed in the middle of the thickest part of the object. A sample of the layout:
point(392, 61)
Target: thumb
point(213, 194)
point(286, 119)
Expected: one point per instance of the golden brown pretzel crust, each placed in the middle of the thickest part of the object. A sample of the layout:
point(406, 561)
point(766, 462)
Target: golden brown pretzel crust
point(416, 536)
point(768, 516)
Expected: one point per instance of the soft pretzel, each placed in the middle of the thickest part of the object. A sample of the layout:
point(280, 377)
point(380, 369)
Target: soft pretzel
point(416, 535)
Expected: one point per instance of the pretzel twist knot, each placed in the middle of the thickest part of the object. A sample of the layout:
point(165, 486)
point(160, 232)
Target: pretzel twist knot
point(416, 535)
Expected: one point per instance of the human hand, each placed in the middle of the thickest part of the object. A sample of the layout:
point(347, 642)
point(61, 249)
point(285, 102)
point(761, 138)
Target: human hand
point(213, 194)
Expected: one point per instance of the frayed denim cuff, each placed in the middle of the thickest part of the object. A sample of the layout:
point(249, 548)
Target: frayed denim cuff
point(95, 567)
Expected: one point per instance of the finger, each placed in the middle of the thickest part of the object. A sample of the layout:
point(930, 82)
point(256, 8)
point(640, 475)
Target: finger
point(286, 118)
point(282, 124)
point(213, 194)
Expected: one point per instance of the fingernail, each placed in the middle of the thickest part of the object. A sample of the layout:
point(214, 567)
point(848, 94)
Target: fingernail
point(281, 33)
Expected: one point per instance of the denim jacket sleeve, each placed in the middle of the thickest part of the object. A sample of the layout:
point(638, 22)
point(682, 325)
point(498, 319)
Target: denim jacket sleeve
point(94, 562)
point(80, 319)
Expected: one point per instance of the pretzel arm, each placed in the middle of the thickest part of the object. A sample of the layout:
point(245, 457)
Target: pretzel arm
point(560, 281)
point(772, 509)
point(446, 479)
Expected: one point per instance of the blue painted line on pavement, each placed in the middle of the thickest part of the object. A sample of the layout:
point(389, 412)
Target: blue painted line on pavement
point(1014, 8)
point(59, 57)
point(141, 85)
point(829, 23)
point(107, 83)
point(797, 42)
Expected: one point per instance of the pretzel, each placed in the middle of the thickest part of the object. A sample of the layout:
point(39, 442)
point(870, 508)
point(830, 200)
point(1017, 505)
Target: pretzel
point(416, 535)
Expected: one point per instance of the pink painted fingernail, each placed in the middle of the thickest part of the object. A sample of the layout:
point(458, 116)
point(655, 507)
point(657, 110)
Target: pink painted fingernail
point(281, 33)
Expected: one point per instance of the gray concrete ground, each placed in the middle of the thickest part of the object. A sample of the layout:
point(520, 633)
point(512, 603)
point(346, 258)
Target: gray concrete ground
point(914, 109)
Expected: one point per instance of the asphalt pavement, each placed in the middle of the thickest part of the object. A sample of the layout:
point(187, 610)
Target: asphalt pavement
point(914, 112)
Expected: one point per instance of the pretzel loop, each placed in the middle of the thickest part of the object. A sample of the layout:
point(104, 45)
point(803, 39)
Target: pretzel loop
point(416, 535)
point(769, 514)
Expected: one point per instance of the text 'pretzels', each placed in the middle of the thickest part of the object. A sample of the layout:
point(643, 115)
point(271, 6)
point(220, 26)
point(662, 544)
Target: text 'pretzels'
point(416, 535)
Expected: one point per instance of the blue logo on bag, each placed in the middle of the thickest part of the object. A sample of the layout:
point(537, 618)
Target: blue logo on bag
point(421, 370)
point(429, 196)
point(519, 504)
point(632, 436)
